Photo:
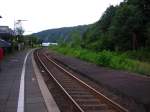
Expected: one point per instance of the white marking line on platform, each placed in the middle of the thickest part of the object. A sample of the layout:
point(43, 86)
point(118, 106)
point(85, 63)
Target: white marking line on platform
point(20, 107)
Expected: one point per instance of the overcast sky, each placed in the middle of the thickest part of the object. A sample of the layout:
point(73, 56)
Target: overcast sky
point(48, 14)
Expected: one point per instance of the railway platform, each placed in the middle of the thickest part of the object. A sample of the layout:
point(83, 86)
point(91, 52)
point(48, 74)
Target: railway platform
point(19, 86)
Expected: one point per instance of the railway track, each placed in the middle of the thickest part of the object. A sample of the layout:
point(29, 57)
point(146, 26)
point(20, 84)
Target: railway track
point(83, 96)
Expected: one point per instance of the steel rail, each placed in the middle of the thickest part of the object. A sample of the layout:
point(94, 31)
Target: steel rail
point(62, 88)
point(95, 92)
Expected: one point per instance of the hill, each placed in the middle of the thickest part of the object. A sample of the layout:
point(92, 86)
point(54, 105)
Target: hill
point(61, 34)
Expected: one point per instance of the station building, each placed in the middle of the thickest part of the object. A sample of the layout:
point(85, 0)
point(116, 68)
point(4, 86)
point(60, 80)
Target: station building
point(6, 33)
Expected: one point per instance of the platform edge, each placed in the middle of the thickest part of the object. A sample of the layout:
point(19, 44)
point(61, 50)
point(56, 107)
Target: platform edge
point(48, 98)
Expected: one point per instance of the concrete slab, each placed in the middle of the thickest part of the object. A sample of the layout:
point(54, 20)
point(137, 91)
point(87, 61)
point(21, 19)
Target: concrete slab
point(10, 83)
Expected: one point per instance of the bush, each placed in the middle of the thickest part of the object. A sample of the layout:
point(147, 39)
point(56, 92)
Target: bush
point(106, 58)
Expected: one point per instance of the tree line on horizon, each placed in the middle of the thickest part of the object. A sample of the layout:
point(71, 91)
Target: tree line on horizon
point(61, 35)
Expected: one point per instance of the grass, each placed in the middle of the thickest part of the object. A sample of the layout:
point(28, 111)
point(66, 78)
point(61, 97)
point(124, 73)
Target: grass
point(106, 58)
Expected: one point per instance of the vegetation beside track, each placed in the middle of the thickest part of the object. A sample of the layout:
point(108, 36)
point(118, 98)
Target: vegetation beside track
point(119, 39)
point(120, 61)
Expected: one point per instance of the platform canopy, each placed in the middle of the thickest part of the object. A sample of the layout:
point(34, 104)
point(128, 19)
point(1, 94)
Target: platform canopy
point(5, 30)
point(4, 43)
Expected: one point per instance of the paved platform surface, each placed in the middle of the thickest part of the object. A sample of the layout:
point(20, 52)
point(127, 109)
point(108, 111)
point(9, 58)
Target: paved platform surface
point(34, 101)
point(10, 84)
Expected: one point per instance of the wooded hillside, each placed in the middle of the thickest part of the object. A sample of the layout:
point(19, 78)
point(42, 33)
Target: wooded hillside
point(61, 34)
point(123, 27)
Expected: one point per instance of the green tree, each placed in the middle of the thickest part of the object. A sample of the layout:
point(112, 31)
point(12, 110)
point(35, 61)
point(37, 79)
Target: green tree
point(96, 37)
point(126, 27)
point(106, 18)
point(75, 39)
point(31, 40)
point(123, 27)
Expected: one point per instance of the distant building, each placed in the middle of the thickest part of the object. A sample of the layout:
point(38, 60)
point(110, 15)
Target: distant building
point(46, 44)
point(6, 31)
point(53, 43)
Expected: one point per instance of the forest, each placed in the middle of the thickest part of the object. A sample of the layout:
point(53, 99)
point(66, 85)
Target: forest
point(121, 28)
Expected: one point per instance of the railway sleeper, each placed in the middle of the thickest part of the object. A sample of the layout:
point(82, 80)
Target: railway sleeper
point(110, 110)
point(87, 101)
point(95, 107)
point(83, 97)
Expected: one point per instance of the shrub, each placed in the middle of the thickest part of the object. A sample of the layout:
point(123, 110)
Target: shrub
point(106, 58)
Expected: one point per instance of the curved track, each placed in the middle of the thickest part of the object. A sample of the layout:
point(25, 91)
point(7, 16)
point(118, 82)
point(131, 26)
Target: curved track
point(83, 96)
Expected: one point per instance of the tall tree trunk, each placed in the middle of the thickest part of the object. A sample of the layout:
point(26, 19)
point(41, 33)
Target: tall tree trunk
point(134, 41)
